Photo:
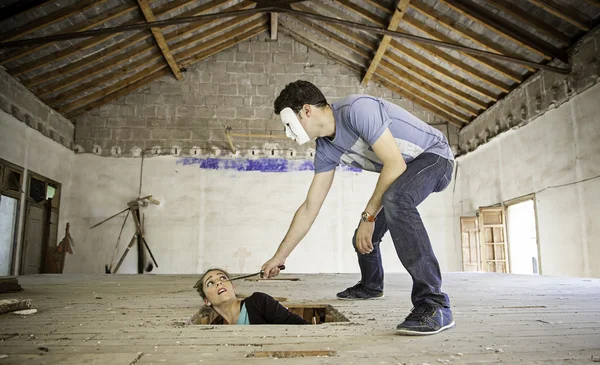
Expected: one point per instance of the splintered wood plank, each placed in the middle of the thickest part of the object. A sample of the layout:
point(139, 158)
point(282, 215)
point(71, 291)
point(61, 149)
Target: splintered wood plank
point(79, 27)
point(160, 39)
point(385, 42)
point(49, 19)
point(432, 104)
point(449, 23)
point(562, 12)
point(290, 354)
point(506, 29)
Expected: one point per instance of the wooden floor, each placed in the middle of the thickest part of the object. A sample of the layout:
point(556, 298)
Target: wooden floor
point(127, 319)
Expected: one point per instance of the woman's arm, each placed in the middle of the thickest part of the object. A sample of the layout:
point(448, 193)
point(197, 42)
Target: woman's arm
point(271, 311)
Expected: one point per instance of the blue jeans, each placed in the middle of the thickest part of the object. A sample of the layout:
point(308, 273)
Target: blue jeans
point(424, 175)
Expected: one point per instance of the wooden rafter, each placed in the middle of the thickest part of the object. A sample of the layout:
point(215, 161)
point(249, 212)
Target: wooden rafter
point(428, 90)
point(523, 16)
point(561, 12)
point(431, 89)
point(123, 58)
point(83, 45)
point(274, 23)
point(160, 39)
point(594, 2)
point(380, 6)
point(385, 42)
point(85, 25)
point(20, 7)
point(396, 84)
point(435, 67)
point(434, 34)
point(421, 74)
point(304, 38)
point(450, 24)
point(492, 65)
point(126, 86)
point(49, 19)
point(506, 29)
point(362, 12)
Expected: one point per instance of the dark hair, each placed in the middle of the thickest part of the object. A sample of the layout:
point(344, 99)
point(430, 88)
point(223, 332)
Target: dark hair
point(298, 93)
point(199, 286)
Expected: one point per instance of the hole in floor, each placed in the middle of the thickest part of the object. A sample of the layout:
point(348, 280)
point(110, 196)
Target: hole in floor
point(312, 313)
point(289, 354)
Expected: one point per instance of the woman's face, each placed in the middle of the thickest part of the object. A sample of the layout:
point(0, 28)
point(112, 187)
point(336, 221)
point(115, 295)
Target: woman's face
point(217, 288)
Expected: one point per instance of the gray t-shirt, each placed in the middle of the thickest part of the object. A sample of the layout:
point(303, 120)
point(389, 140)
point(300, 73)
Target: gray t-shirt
point(360, 120)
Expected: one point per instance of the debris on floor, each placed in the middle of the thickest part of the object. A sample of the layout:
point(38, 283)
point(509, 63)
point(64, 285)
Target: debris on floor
point(11, 305)
point(25, 312)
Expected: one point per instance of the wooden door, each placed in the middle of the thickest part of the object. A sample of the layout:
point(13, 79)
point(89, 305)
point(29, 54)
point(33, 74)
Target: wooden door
point(471, 254)
point(492, 236)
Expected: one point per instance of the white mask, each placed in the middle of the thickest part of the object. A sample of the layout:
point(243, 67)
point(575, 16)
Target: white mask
point(293, 128)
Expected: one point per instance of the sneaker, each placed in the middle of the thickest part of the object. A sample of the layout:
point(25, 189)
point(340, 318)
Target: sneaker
point(359, 292)
point(426, 319)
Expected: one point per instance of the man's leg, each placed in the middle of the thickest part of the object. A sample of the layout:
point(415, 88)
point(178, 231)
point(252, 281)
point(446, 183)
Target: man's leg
point(426, 174)
point(370, 285)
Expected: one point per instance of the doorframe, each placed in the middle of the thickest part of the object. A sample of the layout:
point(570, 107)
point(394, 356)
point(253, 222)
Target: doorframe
point(518, 200)
point(46, 217)
point(17, 196)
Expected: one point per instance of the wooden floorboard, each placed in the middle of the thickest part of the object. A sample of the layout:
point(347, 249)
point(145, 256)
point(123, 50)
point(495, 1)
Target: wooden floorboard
point(143, 319)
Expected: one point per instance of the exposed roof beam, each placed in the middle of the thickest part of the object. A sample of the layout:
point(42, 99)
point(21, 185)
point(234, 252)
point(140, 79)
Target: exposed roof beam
point(358, 69)
point(523, 16)
point(49, 19)
point(492, 65)
point(364, 13)
point(107, 52)
point(88, 24)
point(274, 22)
point(441, 40)
point(19, 7)
point(160, 39)
point(122, 58)
point(380, 6)
point(430, 91)
point(385, 42)
point(561, 12)
point(132, 83)
point(506, 29)
point(420, 59)
point(594, 2)
point(451, 24)
point(397, 85)
point(368, 44)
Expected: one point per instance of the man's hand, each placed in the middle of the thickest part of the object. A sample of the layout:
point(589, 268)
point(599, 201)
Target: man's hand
point(270, 268)
point(364, 236)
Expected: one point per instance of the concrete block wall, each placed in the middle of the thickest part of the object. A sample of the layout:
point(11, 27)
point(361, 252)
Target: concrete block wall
point(234, 88)
point(19, 102)
point(541, 93)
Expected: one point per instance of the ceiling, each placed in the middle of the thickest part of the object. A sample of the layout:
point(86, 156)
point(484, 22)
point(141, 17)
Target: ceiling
point(456, 78)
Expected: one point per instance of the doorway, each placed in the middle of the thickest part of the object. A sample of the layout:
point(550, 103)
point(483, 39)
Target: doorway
point(10, 192)
point(522, 238)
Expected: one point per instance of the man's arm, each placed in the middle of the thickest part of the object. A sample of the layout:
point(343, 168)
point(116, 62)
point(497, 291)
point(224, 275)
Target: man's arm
point(389, 153)
point(303, 220)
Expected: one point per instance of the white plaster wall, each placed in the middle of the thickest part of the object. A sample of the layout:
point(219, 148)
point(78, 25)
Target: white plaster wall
point(560, 147)
point(33, 151)
point(228, 218)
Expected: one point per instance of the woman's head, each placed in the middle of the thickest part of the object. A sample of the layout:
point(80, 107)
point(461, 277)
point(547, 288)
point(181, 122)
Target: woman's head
point(215, 288)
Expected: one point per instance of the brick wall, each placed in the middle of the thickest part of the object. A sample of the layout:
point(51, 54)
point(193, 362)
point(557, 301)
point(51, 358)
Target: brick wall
point(234, 88)
point(16, 100)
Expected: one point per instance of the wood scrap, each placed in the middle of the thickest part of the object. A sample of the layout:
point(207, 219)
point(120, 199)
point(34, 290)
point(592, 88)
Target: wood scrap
point(11, 305)
point(9, 284)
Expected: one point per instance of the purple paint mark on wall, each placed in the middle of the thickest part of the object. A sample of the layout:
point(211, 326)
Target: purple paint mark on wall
point(260, 164)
